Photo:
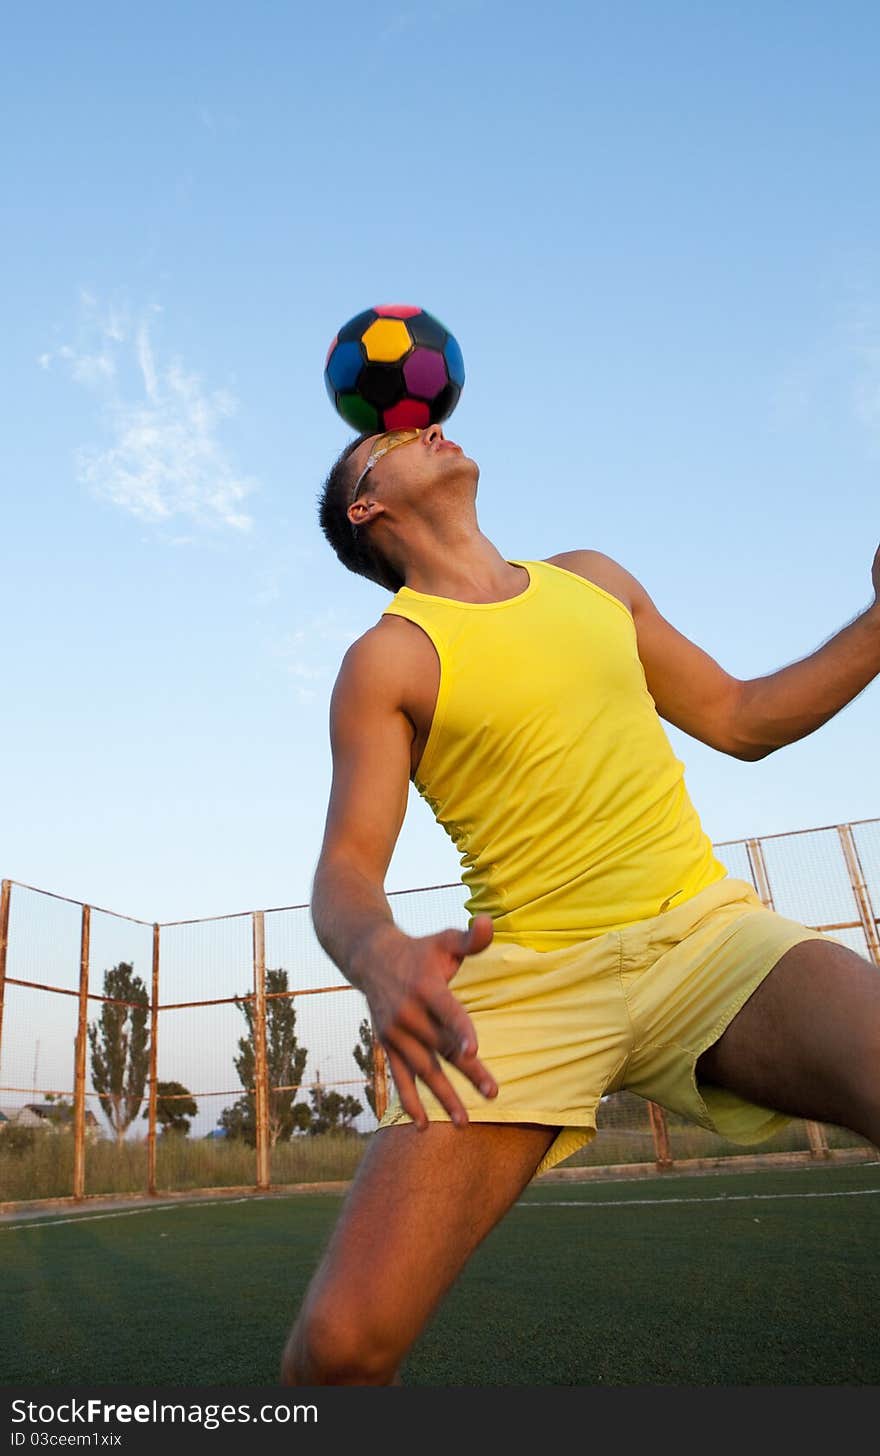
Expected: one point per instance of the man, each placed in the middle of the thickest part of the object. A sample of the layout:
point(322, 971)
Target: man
point(607, 947)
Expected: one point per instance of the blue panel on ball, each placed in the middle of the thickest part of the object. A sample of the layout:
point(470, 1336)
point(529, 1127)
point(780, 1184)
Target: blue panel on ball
point(345, 366)
point(427, 331)
point(454, 361)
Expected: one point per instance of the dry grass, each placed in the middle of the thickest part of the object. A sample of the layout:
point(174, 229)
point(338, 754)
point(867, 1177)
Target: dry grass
point(44, 1168)
point(41, 1166)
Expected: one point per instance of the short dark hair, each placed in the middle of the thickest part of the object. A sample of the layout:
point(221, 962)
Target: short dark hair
point(352, 547)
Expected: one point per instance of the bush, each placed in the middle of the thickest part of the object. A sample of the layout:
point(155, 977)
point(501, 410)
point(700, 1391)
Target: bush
point(18, 1140)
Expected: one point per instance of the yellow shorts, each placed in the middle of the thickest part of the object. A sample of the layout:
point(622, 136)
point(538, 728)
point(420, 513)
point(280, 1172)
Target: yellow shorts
point(631, 1010)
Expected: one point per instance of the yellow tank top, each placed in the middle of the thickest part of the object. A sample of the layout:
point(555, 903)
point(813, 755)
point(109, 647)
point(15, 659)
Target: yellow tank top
point(548, 765)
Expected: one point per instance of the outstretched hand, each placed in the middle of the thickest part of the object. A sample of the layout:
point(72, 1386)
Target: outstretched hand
point(418, 1020)
point(875, 577)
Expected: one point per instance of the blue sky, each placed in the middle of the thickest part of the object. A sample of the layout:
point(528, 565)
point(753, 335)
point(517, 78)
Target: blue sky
point(653, 230)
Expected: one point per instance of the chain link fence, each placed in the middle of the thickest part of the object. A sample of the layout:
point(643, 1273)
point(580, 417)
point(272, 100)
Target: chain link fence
point(230, 1053)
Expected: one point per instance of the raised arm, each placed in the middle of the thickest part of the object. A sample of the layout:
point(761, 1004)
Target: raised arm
point(746, 719)
point(405, 979)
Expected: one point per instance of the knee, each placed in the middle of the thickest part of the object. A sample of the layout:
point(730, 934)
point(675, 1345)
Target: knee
point(330, 1346)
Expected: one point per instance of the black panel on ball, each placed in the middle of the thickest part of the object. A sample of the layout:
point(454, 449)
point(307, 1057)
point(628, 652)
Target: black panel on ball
point(427, 331)
point(352, 331)
point(381, 384)
point(444, 402)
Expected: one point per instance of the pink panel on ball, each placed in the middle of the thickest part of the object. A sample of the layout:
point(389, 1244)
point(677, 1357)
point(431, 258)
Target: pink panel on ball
point(396, 310)
point(425, 372)
point(407, 412)
point(330, 350)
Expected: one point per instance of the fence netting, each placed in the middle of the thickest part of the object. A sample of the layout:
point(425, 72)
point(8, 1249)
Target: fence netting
point(231, 1053)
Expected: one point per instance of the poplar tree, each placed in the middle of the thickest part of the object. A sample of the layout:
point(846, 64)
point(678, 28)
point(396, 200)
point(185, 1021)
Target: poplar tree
point(120, 1043)
point(285, 1060)
point(364, 1055)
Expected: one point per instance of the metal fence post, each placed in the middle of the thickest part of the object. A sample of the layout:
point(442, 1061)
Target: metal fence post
point(154, 1065)
point(660, 1134)
point(5, 897)
point(380, 1079)
point(817, 1140)
point(759, 871)
point(261, 1090)
point(860, 891)
point(815, 1131)
point(79, 1083)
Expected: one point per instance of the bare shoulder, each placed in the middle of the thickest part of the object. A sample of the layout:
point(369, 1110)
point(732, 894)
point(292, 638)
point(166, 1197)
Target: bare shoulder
point(379, 664)
point(369, 662)
point(605, 572)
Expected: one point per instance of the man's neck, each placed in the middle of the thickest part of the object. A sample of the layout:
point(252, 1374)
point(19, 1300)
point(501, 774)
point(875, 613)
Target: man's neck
point(474, 572)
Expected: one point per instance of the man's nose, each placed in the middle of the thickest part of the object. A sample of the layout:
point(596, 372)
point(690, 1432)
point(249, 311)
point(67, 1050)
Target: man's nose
point(433, 433)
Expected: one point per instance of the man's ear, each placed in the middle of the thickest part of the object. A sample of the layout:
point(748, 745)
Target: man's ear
point(364, 510)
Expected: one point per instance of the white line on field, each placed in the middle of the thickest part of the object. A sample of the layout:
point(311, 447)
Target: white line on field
point(720, 1198)
point(38, 1222)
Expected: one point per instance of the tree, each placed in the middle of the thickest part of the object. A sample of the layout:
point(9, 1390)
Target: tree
point(285, 1060)
point(332, 1111)
point(365, 1056)
point(239, 1121)
point(120, 1048)
point(62, 1110)
point(175, 1105)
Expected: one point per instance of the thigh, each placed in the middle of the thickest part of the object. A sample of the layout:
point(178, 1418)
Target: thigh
point(420, 1204)
point(807, 1041)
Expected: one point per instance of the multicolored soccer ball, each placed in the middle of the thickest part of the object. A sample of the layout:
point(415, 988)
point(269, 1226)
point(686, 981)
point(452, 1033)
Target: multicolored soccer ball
point(392, 366)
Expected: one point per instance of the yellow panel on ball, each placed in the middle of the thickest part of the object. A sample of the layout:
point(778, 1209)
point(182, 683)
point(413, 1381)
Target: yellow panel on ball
point(386, 341)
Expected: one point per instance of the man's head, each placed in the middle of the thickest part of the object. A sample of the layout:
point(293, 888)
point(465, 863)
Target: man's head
point(380, 486)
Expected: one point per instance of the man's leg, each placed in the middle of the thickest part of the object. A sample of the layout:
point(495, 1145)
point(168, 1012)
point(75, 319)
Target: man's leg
point(420, 1204)
point(807, 1041)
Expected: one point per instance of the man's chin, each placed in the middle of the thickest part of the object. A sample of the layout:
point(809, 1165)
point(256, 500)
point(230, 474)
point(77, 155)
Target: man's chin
point(463, 465)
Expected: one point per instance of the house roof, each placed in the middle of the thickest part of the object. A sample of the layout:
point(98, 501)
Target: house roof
point(52, 1112)
point(21, 1116)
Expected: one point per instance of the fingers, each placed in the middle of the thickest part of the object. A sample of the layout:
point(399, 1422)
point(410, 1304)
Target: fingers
point(476, 1072)
point(433, 1035)
point(420, 1021)
point(449, 1027)
point(461, 943)
point(406, 1089)
point(413, 1060)
point(479, 934)
point(454, 1037)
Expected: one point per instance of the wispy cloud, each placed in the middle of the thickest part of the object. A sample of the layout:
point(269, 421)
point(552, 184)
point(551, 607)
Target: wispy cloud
point(162, 456)
point(840, 376)
point(312, 652)
point(218, 120)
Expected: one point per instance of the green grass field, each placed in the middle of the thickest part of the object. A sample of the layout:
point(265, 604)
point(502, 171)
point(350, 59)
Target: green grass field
point(768, 1278)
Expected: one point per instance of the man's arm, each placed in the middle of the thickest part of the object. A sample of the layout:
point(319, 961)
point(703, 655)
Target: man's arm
point(793, 702)
point(370, 743)
point(746, 719)
point(405, 979)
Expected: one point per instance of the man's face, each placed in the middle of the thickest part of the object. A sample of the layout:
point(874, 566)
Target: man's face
point(410, 472)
